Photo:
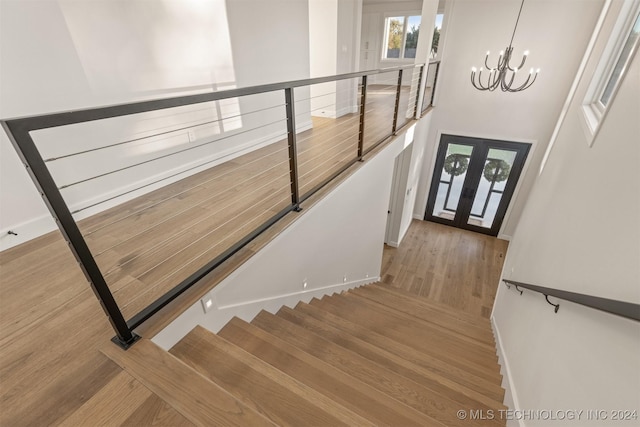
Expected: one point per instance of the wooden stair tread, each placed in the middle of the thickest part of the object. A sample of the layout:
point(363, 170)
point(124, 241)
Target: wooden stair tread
point(457, 392)
point(415, 308)
point(382, 323)
point(420, 358)
point(442, 308)
point(484, 350)
point(405, 390)
point(177, 384)
point(355, 395)
point(259, 385)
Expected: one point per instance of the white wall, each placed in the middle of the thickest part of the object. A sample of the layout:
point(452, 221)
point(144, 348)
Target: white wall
point(59, 55)
point(474, 27)
point(334, 38)
point(337, 244)
point(579, 232)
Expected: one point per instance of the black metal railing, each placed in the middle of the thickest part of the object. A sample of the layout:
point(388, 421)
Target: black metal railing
point(140, 253)
point(619, 308)
point(430, 85)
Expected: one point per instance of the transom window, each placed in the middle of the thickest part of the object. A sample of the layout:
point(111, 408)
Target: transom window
point(401, 37)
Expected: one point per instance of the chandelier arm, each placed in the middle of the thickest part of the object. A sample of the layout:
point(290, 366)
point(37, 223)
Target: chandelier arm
point(506, 86)
point(525, 85)
point(477, 86)
point(524, 59)
point(496, 79)
point(522, 86)
point(486, 58)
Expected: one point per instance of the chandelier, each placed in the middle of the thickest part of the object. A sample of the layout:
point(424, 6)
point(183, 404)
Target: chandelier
point(503, 74)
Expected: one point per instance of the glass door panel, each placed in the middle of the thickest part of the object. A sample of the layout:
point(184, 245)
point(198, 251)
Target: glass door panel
point(473, 182)
point(495, 174)
point(454, 172)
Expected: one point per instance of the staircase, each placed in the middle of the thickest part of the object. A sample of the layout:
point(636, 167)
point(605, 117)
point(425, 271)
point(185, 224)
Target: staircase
point(374, 355)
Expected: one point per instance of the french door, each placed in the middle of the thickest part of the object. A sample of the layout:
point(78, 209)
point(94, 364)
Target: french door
point(473, 182)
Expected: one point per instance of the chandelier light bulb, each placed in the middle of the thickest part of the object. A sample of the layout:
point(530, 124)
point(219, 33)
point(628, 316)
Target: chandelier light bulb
point(538, 70)
point(501, 52)
point(531, 71)
point(488, 53)
point(526, 53)
point(473, 69)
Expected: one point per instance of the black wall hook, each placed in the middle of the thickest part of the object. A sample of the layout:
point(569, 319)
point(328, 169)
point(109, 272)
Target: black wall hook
point(518, 289)
point(557, 306)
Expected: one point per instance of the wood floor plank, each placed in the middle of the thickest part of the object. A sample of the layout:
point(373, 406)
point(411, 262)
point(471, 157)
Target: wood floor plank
point(196, 398)
point(411, 393)
point(260, 386)
point(355, 395)
point(421, 356)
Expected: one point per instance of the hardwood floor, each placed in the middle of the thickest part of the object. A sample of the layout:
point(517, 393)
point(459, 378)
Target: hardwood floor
point(448, 265)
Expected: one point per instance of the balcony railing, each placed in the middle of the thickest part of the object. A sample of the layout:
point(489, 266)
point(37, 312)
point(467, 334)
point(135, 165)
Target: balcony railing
point(152, 196)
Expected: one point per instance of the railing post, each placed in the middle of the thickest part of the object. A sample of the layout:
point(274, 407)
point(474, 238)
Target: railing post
point(397, 106)
point(363, 103)
point(55, 202)
point(418, 91)
point(293, 148)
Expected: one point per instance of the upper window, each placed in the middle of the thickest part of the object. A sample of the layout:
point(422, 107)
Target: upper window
point(436, 36)
point(612, 68)
point(401, 37)
point(621, 64)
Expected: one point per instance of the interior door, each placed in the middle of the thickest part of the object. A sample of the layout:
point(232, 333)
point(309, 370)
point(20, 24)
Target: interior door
point(473, 182)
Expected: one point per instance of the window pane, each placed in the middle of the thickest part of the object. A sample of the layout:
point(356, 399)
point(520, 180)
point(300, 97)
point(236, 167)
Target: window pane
point(436, 36)
point(413, 30)
point(395, 28)
point(622, 61)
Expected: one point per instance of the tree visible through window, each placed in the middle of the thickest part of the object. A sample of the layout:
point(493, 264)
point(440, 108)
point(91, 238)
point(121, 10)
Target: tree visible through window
point(401, 37)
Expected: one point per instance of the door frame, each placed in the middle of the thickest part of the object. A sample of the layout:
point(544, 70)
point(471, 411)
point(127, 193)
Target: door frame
point(512, 189)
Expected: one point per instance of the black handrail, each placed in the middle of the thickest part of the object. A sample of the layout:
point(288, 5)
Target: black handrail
point(625, 309)
point(19, 133)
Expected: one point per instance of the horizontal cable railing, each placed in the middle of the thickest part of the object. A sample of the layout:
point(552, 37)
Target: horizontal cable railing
point(152, 196)
point(620, 308)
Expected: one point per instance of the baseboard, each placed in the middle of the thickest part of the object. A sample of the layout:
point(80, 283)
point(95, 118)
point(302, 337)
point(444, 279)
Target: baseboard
point(505, 237)
point(418, 216)
point(26, 231)
point(219, 315)
point(510, 395)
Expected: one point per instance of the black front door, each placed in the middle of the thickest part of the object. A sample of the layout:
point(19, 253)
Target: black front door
point(473, 182)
